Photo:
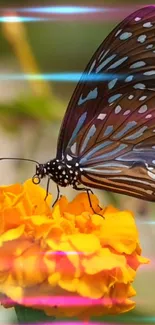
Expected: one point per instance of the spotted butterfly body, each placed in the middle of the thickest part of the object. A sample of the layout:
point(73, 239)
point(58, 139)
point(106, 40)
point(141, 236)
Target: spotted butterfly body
point(107, 138)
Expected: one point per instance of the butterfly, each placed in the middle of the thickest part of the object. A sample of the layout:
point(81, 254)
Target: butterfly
point(107, 137)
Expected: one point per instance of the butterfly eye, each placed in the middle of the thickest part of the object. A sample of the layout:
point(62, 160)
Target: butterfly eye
point(36, 179)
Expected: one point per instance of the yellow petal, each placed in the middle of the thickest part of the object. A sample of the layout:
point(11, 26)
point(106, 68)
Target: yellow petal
point(12, 234)
point(85, 243)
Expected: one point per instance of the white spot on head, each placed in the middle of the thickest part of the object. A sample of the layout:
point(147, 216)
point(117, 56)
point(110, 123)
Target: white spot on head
point(129, 78)
point(81, 169)
point(139, 86)
point(141, 38)
point(125, 36)
point(101, 116)
point(148, 116)
point(59, 167)
point(118, 109)
point(142, 109)
point(147, 25)
point(66, 181)
point(142, 98)
point(64, 173)
point(77, 164)
point(56, 161)
point(69, 157)
point(130, 96)
point(127, 112)
point(138, 18)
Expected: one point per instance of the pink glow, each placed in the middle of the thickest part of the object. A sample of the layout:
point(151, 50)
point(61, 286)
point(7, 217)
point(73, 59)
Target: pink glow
point(62, 301)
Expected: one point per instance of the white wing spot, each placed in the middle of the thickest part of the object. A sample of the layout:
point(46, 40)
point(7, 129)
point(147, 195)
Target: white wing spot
point(101, 116)
point(118, 109)
point(118, 32)
point(138, 18)
point(131, 97)
point(151, 174)
point(148, 25)
point(149, 73)
point(112, 83)
point(125, 36)
point(69, 157)
point(142, 109)
point(127, 112)
point(129, 78)
point(92, 67)
point(113, 98)
point(73, 148)
point(148, 116)
point(149, 46)
point(142, 98)
point(138, 64)
point(141, 38)
point(139, 86)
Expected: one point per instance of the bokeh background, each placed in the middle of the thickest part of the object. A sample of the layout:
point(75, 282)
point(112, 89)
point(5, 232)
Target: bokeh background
point(31, 111)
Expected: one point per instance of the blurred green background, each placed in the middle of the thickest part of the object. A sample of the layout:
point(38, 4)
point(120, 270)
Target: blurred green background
point(31, 112)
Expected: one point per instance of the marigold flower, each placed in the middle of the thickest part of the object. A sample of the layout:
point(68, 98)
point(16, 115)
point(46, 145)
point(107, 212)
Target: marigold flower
point(67, 260)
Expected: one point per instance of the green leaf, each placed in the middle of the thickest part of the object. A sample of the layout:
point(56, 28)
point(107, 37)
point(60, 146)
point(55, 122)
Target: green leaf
point(27, 315)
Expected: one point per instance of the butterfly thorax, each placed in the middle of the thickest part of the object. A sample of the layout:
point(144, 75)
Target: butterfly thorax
point(60, 172)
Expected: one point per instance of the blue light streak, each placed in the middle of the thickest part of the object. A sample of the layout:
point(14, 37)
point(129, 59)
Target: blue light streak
point(61, 77)
point(19, 19)
point(64, 10)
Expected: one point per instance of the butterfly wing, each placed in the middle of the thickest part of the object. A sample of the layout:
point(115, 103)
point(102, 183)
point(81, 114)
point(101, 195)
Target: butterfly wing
point(116, 151)
point(121, 61)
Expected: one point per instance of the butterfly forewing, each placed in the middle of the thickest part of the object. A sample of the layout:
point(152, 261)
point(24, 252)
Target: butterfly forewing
point(126, 60)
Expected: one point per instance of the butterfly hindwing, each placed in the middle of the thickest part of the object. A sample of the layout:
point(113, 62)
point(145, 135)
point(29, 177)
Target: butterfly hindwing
point(119, 154)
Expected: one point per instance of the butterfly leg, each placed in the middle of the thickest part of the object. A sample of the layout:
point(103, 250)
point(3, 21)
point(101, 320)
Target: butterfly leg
point(47, 188)
point(88, 190)
point(58, 195)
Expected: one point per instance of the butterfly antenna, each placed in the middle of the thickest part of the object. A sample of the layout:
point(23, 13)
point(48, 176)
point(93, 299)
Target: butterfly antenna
point(23, 159)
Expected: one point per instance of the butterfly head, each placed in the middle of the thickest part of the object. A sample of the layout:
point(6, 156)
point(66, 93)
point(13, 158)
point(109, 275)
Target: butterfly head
point(40, 173)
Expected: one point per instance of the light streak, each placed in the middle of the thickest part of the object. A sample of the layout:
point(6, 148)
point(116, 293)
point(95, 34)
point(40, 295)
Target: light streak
point(19, 19)
point(60, 77)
